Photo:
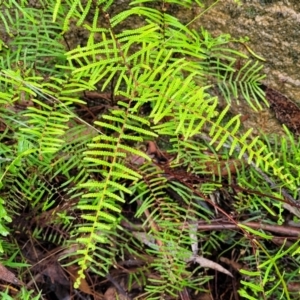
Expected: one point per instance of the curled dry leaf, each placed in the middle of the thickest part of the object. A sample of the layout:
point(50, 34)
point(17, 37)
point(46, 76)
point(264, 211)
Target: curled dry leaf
point(84, 286)
point(9, 276)
point(206, 263)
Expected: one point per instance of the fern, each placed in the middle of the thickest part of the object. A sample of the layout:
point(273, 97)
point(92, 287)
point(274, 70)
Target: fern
point(76, 177)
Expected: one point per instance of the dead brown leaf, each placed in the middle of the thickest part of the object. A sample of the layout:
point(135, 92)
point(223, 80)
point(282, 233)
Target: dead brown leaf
point(9, 276)
point(84, 286)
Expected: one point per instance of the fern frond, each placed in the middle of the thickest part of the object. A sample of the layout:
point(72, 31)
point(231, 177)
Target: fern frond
point(161, 77)
point(172, 246)
point(101, 200)
point(245, 82)
point(34, 45)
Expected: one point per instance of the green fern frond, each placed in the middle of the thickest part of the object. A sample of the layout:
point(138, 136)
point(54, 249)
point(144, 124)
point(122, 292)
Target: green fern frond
point(245, 82)
point(162, 78)
point(167, 249)
point(48, 125)
point(101, 199)
point(32, 29)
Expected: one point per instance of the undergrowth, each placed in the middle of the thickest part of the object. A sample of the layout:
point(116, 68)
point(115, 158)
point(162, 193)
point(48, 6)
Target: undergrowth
point(117, 158)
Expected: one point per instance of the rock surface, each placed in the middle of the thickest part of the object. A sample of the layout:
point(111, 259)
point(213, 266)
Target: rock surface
point(274, 30)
